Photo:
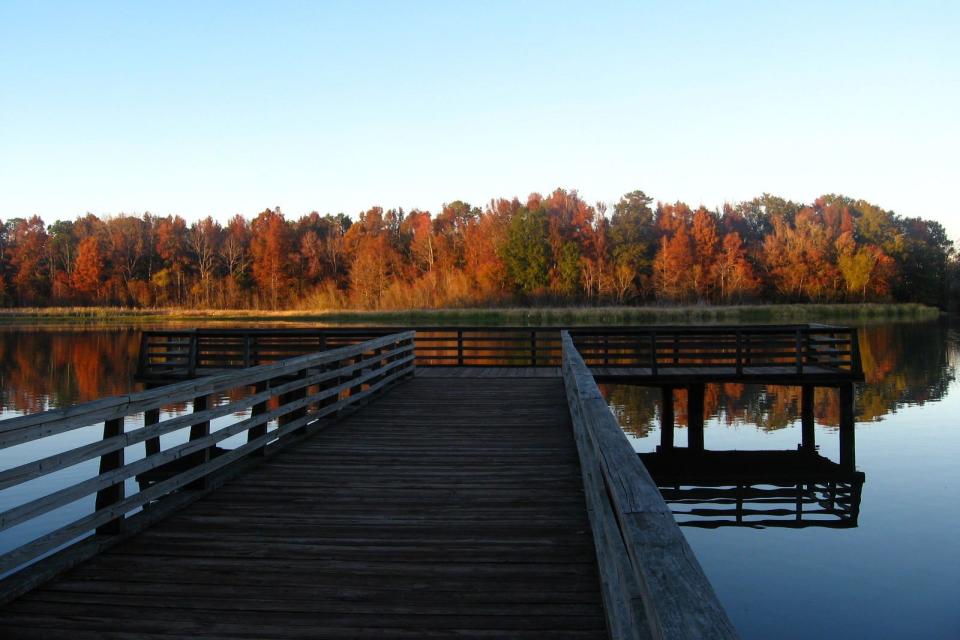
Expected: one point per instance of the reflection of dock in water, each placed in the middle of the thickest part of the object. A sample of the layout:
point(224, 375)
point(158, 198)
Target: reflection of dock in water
point(711, 489)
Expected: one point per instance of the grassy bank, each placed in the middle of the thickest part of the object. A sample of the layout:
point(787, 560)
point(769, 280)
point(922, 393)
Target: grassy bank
point(504, 316)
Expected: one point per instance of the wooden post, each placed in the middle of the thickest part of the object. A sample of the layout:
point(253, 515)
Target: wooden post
point(848, 459)
point(653, 354)
point(356, 374)
point(666, 418)
point(533, 348)
point(197, 431)
point(739, 354)
point(258, 409)
point(114, 493)
point(695, 394)
point(460, 347)
point(799, 351)
point(855, 363)
point(292, 396)
point(151, 417)
point(808, 443)
point(192, 358)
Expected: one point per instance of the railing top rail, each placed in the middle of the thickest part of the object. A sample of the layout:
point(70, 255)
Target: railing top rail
point(36, 425)
point(678, 599)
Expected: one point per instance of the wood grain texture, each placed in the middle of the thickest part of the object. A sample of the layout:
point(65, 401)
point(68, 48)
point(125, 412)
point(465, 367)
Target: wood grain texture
point(447, 508)
point(677, 600)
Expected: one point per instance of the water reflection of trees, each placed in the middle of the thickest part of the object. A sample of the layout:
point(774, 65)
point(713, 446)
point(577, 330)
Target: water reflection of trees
point(48, 368)
point(904, 364)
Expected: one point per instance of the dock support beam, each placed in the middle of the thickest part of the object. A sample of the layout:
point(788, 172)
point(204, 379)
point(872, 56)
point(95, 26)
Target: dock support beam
point(695, 394)
point(847, 432)
point(666, 418)
point(808, 442)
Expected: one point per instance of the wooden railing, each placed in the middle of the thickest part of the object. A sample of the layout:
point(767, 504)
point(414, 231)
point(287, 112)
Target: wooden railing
point(236, 417)
point(651, 582)
point(755, 347)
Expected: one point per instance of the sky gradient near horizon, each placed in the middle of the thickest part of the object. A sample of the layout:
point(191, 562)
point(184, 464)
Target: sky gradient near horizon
point(231, 107)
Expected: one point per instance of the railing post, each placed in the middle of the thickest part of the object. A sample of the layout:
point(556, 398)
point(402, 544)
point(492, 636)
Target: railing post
point(246, 351)
point(258, 409)
point(292, 396)
point(356, 374)
point(151, 417)
point(799, 349)
point(533, 348)
point(855, 363)
point(653, 353)
point(115, 492)
point(739, 353)
point(197, 431)
point(460, 347)
point(192, 357)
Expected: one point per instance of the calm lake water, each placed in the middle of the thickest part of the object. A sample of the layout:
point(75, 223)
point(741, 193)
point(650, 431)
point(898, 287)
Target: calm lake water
point(892, 575)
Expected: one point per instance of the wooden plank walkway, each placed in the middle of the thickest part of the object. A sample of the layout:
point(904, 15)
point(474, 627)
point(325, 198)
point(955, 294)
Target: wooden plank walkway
point(449, 507)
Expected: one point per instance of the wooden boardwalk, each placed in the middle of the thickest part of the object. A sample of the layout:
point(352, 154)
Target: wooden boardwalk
point(448, 507)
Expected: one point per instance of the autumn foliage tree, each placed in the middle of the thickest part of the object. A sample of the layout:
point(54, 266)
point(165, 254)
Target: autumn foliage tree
point(546, 249)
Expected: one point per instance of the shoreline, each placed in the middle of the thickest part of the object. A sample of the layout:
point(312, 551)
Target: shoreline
point(520, 316)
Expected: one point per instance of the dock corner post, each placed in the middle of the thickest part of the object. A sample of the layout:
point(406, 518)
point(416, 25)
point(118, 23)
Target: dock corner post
point(855, 362)
point(695, 393)
point(666, 418)
point(848, 458)
point(808, 442)
point(115, 492)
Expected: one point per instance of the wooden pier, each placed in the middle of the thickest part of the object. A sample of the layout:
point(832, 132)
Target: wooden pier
point(373, 483)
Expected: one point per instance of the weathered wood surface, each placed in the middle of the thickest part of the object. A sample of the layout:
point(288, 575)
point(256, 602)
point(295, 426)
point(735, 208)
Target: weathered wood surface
point(446, 508)
point(308, 390)
point(653, 585)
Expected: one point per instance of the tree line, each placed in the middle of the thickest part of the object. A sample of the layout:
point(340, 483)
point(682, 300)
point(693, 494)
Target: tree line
point(554, 249)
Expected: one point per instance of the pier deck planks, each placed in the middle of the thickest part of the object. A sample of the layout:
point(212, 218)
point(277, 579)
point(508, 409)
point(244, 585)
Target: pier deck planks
point(449, 507)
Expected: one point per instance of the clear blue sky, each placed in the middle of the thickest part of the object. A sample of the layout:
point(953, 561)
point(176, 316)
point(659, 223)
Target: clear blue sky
point(228, 107)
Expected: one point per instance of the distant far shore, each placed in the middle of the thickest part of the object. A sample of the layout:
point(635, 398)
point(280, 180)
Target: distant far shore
point(523, 316)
